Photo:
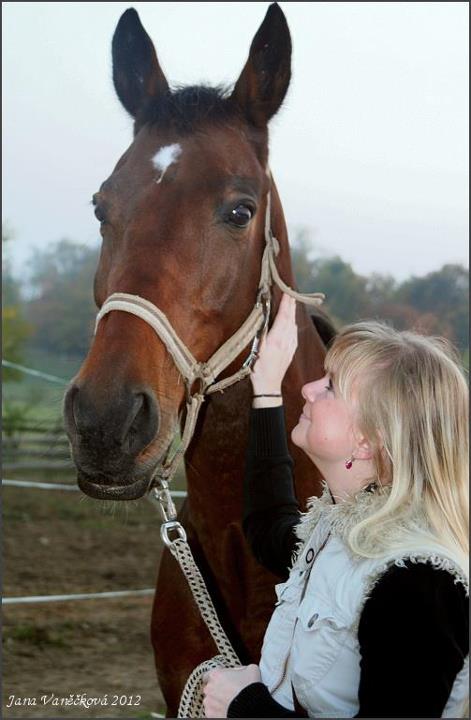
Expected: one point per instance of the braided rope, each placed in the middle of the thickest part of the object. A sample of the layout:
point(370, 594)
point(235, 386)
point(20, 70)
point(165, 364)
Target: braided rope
point(191, 701)
point(181, 551)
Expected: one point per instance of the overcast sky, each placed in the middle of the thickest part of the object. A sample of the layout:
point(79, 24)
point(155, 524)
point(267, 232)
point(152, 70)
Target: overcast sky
point(369, 151)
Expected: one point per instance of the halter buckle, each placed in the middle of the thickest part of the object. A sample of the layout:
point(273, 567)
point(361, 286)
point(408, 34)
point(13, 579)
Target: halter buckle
point(263, 298)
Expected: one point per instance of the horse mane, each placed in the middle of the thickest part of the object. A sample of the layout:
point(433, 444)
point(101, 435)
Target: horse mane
point(324, 325)
point(185, 108)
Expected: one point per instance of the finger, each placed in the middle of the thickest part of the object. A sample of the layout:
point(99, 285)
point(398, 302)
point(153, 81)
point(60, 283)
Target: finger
point(286, 303)
point(291, 306)
point(285, 312)
point(205, 678)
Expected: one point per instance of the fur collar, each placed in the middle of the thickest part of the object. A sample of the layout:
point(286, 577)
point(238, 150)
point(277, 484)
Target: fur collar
point(407, 539)
point(340, 516)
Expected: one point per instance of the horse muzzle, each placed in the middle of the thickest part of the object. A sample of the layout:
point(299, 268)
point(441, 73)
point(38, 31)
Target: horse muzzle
point(108, 437)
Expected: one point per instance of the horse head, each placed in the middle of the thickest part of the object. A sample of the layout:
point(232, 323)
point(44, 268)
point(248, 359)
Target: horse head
point(182, 222)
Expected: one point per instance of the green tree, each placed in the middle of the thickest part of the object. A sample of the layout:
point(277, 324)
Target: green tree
point(346, 292)
point(435, 304)
point(62, 310)
point(445, 294)
point(381, 289)
point(15, 329)
point(302, 261)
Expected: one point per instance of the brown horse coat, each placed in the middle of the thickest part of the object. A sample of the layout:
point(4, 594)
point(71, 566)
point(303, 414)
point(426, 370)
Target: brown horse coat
point(188, 236)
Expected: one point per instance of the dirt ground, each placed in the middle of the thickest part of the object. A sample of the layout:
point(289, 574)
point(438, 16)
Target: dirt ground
point(61, 543)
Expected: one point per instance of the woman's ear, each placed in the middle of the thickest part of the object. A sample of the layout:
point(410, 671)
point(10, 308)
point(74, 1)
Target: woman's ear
point(367, 449)
point(364, 450)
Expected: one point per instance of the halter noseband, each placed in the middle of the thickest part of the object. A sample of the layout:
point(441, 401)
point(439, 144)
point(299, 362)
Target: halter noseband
point(206, 372)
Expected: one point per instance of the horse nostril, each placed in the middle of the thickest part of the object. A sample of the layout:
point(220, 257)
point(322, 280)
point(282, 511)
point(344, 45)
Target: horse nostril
point(69, 413)
point(105, 427)
point(144, 423)
point(134, 411)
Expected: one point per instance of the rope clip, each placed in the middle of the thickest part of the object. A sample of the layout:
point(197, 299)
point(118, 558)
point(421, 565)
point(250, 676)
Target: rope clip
point(167, 527)
point(166, 504)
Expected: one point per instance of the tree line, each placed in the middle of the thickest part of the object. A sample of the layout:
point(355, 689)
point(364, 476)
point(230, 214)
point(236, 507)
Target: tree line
point(57, 313)
point(434, 304)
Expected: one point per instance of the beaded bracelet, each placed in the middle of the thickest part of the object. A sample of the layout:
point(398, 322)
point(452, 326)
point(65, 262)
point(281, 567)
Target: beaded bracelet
point(269, 395)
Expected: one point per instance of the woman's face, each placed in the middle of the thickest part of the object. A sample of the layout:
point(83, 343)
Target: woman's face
point(325, 430)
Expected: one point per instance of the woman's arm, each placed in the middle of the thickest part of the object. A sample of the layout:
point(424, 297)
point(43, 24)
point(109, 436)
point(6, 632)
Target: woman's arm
point(254, 701)
point(270, 507)
point(413, 637)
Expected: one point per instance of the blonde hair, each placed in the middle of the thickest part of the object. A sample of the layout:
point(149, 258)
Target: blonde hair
point(411, 403)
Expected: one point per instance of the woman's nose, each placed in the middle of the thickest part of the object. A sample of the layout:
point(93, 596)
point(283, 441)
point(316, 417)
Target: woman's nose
point(309, 391)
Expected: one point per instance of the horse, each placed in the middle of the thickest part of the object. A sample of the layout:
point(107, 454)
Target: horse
point(182, 222)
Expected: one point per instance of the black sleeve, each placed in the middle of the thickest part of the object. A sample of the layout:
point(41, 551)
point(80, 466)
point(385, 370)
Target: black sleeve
point(254, 701)
point(413, 637)
point(270, 509)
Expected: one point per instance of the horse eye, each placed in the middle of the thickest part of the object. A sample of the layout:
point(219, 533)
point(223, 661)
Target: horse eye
point(99, 214)
point(241, 215)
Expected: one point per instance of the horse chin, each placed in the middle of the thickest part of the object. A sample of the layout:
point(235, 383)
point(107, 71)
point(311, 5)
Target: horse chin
point(100, 491)
point(132, 484)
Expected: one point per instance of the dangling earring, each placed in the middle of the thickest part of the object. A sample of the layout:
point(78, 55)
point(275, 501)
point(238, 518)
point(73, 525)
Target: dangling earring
point(349, 462)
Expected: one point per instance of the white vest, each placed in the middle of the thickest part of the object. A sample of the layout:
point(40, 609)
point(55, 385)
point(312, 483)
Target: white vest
point(311, 643)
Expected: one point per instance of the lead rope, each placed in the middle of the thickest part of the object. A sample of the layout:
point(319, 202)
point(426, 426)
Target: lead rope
point(191, 703)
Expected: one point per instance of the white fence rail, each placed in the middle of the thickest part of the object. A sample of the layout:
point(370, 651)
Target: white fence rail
point(62, 486)
point(77, 596)
point(67, 487)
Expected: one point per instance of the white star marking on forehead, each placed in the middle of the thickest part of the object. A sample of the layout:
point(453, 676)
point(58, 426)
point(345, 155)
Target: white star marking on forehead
point(165, 157)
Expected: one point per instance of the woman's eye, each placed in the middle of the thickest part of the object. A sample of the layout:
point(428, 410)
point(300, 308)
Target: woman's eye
point(329, 386)
point(241, 215)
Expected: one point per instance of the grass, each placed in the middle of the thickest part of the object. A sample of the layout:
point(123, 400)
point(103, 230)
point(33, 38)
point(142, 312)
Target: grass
point(39, 403)
point(31, 401)
point(38, 636)
point(37, 400)
point(52, 363)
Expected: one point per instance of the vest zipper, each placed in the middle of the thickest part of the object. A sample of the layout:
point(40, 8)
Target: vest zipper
point(308, 573)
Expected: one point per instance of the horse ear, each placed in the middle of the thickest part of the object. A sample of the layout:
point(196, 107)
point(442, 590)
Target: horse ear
point(137, 74)
point(263, 83)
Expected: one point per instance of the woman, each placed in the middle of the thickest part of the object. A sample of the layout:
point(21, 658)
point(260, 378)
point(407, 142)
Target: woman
point(373, 619)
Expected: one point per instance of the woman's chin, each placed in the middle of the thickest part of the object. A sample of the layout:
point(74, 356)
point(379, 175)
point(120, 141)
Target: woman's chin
point(295, 436)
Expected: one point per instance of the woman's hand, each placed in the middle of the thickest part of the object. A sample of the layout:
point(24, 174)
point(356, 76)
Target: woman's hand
point(221, 686)
point(276, 349)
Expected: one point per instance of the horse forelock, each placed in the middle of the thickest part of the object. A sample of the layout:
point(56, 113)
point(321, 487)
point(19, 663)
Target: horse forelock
point(188, 110)
point(185, 107)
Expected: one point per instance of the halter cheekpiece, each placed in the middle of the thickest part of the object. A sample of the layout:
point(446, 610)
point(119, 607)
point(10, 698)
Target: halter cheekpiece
point(206, 373)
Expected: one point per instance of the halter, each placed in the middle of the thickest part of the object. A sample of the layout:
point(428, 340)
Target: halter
point(206, 373)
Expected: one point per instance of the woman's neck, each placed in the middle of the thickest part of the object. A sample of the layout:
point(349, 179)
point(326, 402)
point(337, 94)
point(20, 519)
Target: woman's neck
point(342, 482)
